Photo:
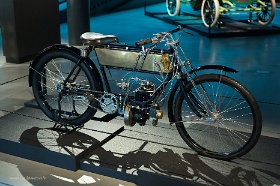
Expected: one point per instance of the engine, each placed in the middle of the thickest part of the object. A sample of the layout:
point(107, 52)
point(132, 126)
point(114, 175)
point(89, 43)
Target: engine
point(137, 111)
point(145, 91)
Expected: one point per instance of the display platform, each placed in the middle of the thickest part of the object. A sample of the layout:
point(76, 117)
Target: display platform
point(143, 155)
point(232, 25)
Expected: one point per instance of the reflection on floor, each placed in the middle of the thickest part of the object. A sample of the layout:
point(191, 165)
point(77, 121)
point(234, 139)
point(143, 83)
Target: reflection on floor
point(139, 151)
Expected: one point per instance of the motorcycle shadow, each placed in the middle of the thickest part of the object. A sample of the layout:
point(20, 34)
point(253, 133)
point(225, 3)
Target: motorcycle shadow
point(185, 166)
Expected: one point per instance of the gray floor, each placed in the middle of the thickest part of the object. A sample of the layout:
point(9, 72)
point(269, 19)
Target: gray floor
point(256, 59)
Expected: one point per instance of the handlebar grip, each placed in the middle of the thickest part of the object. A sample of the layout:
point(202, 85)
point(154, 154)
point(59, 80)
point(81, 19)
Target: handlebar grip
point(143, 42)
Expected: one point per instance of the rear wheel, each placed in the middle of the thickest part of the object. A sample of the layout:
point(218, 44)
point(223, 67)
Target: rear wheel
point(223, 120)
point(210, 12)
point(173, 7)
point(63, 100)
point(266, 15)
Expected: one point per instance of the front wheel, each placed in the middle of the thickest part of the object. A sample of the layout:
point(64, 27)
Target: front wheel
point(210, 12)
point(223, 121)
point(61, 96)
point(173, 7)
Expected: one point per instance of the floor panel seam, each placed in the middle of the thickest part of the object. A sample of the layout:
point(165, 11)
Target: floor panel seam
point(13, 80)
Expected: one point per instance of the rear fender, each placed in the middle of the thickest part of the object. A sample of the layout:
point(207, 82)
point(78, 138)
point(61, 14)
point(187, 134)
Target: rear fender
point(90, 64)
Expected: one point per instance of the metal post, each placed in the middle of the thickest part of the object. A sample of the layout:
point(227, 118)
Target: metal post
point(78, 18)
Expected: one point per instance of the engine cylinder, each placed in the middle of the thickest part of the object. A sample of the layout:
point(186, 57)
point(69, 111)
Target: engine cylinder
point(141, 95)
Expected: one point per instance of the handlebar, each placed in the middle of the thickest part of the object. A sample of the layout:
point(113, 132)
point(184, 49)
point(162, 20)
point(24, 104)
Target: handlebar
point(175, 30)
point(144, 42)
point(150, 40)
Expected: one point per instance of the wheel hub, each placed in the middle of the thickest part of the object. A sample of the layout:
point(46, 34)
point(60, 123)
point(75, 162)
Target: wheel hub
point(216, 116)
point(59, 87)
point(213, 117)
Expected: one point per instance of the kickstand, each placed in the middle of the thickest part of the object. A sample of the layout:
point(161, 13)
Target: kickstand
point(63, 127)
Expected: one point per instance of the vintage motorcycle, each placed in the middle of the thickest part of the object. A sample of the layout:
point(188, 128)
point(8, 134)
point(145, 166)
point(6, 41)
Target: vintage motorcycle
point(214, 114)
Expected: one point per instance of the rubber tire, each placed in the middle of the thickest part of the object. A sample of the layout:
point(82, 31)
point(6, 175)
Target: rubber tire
point(43, 60)
point(247, 96)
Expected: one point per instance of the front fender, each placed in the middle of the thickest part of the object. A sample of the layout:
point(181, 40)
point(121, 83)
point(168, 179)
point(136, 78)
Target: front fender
point(184, 80)
point(75, 51)
point(214, 67)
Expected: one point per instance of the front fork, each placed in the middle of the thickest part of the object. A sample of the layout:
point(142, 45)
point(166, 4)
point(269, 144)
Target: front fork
point(196, 105)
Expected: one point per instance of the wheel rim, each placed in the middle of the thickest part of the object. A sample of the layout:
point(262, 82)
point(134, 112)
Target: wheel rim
point(171, 6)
